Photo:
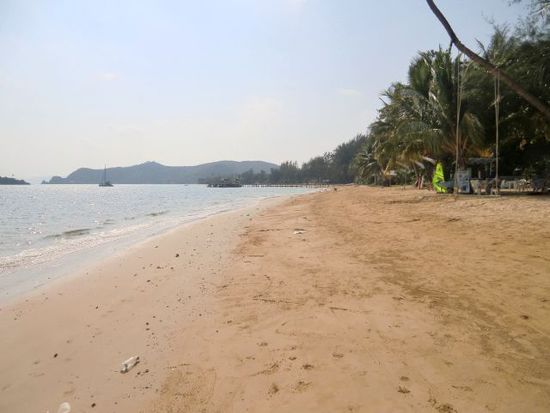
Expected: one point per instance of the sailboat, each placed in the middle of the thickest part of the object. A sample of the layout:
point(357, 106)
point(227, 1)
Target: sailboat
point(104, 181)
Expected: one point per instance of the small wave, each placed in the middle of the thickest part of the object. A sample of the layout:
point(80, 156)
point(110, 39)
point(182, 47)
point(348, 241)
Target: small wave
point(67, 242)
point(156, 214)
point(70, 234)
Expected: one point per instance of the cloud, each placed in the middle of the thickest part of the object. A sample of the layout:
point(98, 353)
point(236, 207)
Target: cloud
point(348, 92)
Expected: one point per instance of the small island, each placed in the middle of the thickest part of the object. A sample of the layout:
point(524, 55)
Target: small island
point(4, 180)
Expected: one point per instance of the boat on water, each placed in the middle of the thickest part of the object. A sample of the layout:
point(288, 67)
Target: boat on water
point(104, 181)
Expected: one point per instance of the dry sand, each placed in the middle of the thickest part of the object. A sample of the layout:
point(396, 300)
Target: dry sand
point(357, 300)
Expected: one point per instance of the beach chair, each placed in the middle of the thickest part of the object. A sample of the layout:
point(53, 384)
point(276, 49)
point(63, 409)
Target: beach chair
point(538, 185)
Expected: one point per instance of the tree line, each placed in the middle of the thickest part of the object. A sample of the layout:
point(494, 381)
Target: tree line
point(336, 167)
point(445, 112)
point(419, 118)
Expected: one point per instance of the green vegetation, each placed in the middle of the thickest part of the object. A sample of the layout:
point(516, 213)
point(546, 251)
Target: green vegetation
point(417, 124)
point(419, 118)
point(337, 166)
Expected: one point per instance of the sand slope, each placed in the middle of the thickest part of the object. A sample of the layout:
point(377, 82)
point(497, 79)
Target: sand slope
point(66, 342)
point(390, 300)
point(357, 300)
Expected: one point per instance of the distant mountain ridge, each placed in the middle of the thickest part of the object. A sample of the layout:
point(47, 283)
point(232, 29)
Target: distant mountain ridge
point(4, 180)
point(155, 173)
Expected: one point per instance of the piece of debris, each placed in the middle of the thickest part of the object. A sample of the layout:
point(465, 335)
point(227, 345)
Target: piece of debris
point(129, 364)
point(64, 408)
point(298, 231)
point(403, 390)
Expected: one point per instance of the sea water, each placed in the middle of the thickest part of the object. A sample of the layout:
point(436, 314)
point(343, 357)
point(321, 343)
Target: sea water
point(46, 228)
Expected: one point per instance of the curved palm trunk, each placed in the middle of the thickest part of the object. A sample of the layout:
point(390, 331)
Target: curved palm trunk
point(516, 87)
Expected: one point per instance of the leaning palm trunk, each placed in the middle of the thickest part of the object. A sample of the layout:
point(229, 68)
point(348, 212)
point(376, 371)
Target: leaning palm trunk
point(495, 71)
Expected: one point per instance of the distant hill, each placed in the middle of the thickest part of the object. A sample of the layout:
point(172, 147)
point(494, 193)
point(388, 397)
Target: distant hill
point(4, 180)
point(155, 173)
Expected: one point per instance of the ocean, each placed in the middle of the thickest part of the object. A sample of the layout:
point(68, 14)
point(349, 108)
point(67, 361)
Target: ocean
point(48, 230)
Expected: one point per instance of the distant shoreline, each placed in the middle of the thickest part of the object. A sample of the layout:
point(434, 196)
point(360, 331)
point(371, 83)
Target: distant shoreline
point(4, 180)
point(156, 173)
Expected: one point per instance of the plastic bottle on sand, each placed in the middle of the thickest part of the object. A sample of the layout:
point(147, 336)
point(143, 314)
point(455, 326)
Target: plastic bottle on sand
point(128, 364)
point(64, 408)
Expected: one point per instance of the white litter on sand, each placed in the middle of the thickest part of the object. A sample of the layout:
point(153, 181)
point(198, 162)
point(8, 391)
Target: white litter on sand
point(64, 408)
point(129, 364)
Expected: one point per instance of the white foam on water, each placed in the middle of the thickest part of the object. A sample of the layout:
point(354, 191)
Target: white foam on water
point(78, 233)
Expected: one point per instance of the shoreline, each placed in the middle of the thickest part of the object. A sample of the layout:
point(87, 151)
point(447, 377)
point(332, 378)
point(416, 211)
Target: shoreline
point(69, 336)
point(331, 301)
point(26, 280)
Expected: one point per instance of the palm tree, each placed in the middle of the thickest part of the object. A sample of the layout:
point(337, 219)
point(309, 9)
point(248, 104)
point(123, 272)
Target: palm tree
point(533, 100)
point(419, 119)
point(371, 162)
point(524, 131)
point(435, 82)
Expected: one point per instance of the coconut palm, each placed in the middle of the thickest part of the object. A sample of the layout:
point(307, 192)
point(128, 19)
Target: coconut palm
point(524, 131)
point(419, 119)
point(435, 80)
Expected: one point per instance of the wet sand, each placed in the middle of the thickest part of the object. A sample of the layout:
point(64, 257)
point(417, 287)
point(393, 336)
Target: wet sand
point(354, 300)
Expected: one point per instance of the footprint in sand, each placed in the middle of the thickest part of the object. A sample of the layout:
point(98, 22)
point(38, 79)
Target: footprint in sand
point(270, 370)
point(403, 389)
point(273, 389)
point(442, 407)
point(301, 386)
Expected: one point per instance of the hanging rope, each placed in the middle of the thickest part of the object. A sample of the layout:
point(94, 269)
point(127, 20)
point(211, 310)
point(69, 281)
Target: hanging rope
point(457, 133)
point(497, 117)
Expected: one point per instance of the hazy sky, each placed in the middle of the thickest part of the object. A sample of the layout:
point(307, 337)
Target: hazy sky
point(83, 83)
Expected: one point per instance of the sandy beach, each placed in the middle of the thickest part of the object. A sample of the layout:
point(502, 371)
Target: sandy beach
point(355, 300)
